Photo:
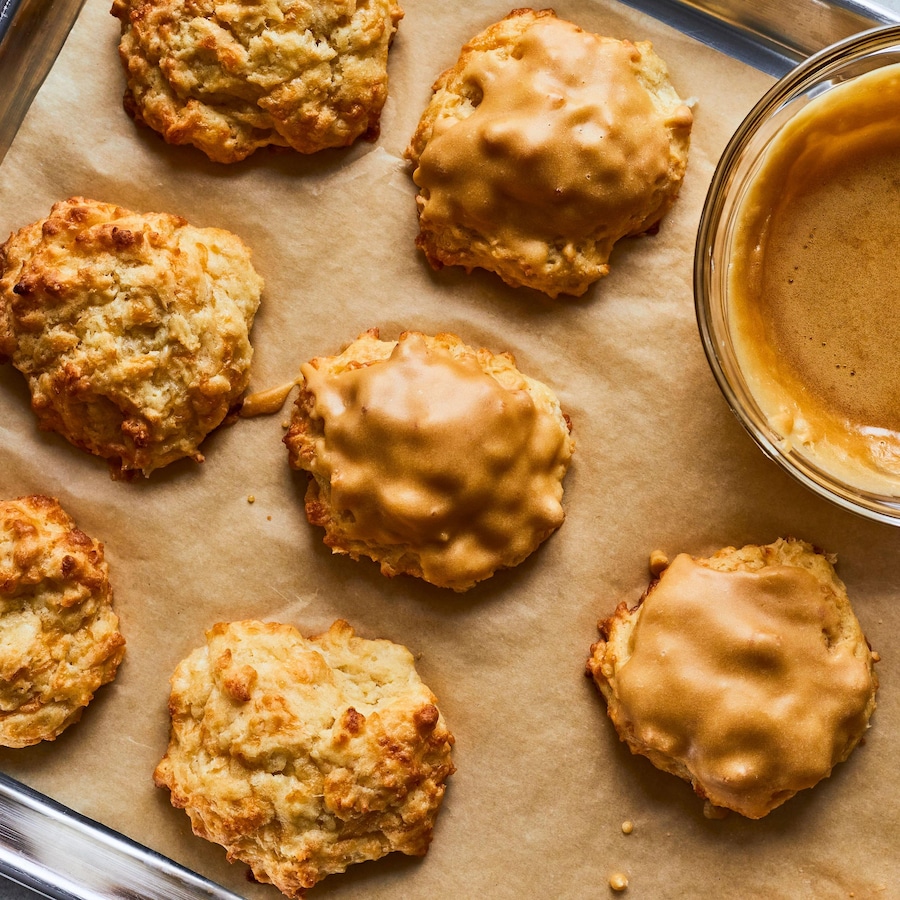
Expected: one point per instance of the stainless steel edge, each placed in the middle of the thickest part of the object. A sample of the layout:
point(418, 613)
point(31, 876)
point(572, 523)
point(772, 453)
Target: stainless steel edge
point(32, 32)
point(7, 11)
point(771, 35)
point(48, 848)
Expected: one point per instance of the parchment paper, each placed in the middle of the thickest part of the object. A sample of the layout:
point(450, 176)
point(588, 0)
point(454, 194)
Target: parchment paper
point(543, 783)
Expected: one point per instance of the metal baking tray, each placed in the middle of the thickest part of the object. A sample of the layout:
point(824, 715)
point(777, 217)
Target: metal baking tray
point(58, 853)
point(55, 852)
point(771, 35)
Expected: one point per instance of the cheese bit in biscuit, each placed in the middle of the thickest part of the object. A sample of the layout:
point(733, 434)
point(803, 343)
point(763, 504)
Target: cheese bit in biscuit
point(303, 756)
point(59, 636)
point(232, 77)
point(430, 457)
point(131, 329)
point(543, 146)
point(746, 674)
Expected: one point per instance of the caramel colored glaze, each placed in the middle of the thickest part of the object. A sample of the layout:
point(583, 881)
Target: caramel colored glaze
point(427, 450)
point(565, 136)
point(813, 283)
point(743, 676)
point(268, 402)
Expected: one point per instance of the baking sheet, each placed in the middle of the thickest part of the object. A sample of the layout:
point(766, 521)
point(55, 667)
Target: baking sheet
point(31, 35)
point(769, 34)
point(543, 784)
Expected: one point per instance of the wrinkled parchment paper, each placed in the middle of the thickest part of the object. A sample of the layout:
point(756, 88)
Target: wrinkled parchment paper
point(543, 784)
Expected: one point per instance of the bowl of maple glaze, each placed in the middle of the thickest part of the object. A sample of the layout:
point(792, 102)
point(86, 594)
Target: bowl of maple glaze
point(796, 273)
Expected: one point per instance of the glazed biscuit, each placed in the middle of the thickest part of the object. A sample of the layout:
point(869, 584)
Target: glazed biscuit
point(131, 329)
point(303, 756)
point(431, 458)
point(542, 147)
point(232, 77)
point(746, 674)
point(59, 637)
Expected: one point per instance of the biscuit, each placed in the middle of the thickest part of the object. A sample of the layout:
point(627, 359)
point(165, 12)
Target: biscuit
point(746, 674)
point(303, 756)
point(232, 77)
point(431, 458)
point(59, 637)
point(131, 329)
point(543, 146)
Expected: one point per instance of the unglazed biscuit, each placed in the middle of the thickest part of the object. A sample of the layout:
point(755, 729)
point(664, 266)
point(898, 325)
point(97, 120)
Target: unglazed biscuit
point(542, 147)
point(59, 637)
point(232, 77)
point(304, 756)
point(430, 457)
point(746, 674)
point(131, 329)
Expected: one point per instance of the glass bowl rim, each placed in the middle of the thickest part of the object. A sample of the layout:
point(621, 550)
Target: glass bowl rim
point(803, 77)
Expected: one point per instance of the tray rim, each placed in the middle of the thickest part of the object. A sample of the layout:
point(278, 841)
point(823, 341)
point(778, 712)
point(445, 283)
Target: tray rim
point(769, 35)
point(32, 33)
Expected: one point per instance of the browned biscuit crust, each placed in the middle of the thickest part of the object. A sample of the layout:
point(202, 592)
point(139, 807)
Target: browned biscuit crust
point(131, 329)
point(304, 756)
point(430, 457)
point(59, 638)
point(542, 147)
point(232, 77)
point(746, 674)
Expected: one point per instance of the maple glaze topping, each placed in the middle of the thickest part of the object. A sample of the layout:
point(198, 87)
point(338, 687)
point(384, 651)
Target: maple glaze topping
point(564, 139)
point(743, 676)
point(267, 402)
point(813, 282)
point(426, 449)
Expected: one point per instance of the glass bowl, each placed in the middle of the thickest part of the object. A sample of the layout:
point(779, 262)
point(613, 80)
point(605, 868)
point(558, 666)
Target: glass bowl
point(739, 168)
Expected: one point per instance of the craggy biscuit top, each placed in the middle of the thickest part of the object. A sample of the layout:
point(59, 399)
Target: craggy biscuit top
point(132, 329)
point(435, 446)
point(59, 637)
point(757, 679)
point(232, 77)
point(549, 136)
point(304, 756)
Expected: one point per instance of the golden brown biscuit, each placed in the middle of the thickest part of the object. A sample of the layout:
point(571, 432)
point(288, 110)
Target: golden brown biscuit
point(59, 637)
point(304, 756)
point(232, 77)
point(131, 329)
point(746, 674)
point(430, 457)
point(542, 147)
